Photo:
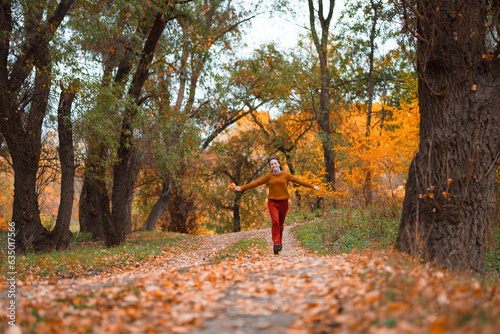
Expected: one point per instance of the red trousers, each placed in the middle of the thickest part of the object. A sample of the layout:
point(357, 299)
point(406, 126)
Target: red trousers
point(277, 210)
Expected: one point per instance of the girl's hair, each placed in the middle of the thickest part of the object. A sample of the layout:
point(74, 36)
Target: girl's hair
point(274, 157)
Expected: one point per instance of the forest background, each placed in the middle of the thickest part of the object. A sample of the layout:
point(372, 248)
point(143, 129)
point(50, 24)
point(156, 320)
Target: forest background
point(140, 114)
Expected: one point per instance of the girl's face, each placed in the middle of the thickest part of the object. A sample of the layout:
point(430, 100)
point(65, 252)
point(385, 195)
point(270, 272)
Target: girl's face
point(275, 165)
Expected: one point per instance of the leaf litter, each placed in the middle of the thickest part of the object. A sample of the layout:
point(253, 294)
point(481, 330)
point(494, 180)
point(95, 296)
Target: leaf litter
point(295, 292)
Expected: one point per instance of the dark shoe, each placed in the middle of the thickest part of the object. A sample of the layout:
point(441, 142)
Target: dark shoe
point(276, 249)
point(280, 248)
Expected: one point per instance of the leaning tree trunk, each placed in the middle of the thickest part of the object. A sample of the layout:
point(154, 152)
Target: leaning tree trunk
point(160, 207)
point(449, 193)
point(61, 235)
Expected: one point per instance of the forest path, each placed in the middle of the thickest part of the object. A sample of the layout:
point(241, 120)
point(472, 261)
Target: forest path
point(294, 292)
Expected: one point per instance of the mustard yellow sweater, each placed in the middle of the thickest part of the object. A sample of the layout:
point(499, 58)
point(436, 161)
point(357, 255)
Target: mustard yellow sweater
point(278, 184)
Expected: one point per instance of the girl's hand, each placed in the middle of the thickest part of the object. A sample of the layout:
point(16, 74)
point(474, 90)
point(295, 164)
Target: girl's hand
point(316, 188)
point(237, 188)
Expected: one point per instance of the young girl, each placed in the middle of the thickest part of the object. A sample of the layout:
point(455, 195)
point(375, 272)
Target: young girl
point(277, 199)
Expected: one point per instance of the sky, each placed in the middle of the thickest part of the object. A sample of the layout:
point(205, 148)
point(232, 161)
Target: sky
point(285, 31)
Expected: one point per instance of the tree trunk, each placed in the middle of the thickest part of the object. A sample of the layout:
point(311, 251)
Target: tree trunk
point(182, 211)
point(449, 193)
point(323, 115)
point(22, 128)
point(25, 213)
point(236, 212)
point(94, 210)
point(367, 186)
point(122, 177)
point(25, 148)
point(94, 205)
point(137, 159)
point(159, 207)
point(61, 235)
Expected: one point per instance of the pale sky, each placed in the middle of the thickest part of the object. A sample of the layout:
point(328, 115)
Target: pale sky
point(285, 31)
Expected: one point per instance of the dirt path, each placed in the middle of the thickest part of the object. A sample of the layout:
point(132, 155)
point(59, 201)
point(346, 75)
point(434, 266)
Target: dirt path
point(295, 292)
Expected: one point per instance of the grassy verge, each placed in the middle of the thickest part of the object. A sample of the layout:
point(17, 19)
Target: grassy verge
point(87, 257)
point(342, 231)
point(245, 247)
point(493, 250)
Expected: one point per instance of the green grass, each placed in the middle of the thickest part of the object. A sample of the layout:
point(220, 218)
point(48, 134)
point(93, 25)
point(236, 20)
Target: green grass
point(241, 248)
point(87, 257)
point(302, 215)
point(341, 231)
point(492, 259)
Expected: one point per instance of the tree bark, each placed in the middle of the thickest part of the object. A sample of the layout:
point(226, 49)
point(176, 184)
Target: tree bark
point(61, 235)
point(182, 211)
point(449, 193)
point(94, 210)
point(159, 207)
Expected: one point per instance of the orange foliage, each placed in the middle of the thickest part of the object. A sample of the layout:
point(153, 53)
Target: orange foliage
point(385, 152)
point(6, 199)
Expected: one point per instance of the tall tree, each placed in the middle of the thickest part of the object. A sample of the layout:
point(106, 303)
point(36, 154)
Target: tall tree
point(238, 160)
point(27, 29)
point(323, 114)
point(61, 233)
point(109, 33)
point(449, 193)
point(123, 168)
point(207, 28)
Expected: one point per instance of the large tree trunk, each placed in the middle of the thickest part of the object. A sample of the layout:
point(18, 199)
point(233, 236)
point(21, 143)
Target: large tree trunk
point(61, 235)
point(449, 193)
point(94, 212)
point(159, 208)
point(182, 211)
point(94, 205)
point(25, 212)
point(25, 147)
point(20, 127)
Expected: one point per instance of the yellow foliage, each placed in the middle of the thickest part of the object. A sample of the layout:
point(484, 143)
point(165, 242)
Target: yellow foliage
point(385, 152)
point(6, 199)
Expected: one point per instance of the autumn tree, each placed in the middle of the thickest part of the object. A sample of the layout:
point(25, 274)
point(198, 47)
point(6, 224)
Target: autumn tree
point(61, 233)
point(135, 33)
point(239, 158)
point(205, 30)
point(449, 193)
point(27, 29)
point(365, 72)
